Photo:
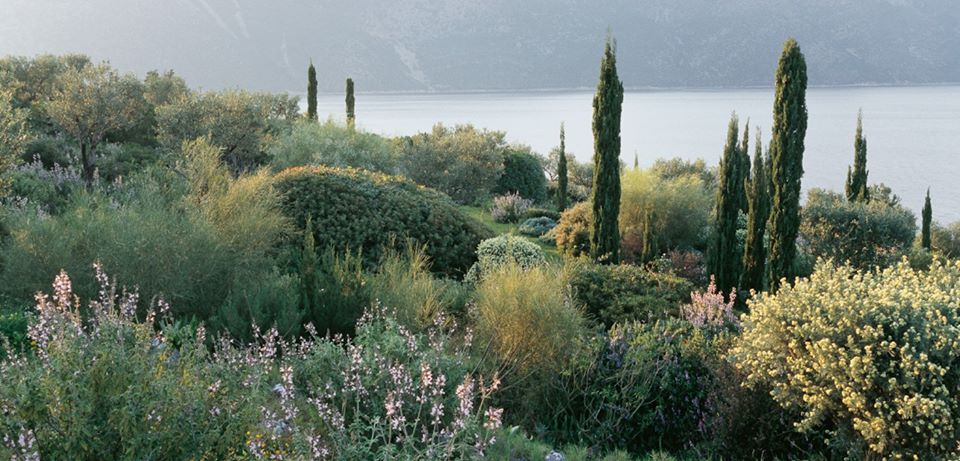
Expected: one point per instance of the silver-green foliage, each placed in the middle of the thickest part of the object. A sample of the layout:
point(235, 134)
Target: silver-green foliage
point(503, 250)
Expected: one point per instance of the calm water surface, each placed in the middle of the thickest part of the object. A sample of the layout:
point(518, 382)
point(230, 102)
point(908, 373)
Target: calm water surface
point(913, 133)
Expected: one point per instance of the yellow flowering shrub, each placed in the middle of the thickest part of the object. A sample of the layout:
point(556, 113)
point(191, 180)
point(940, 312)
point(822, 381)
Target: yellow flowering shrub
point(871, 360)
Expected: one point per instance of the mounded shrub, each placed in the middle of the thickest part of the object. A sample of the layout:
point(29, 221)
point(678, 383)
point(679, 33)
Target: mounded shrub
point(498, 252)
point(875, 233)
point(535, 227)
point(614, 294)
point(371, 213)
point(868, 359)
point(541, 213)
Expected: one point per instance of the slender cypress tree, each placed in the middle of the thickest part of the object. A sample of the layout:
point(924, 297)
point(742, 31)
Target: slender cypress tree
point(927, 220)
point(857, 190)
point(311, 92)
point(607, 106)
point(758, 204)
point(786, 149)
point(743, 167)
point(725, 259)
point(351, 114)
point(636, 161)
point(562, 172)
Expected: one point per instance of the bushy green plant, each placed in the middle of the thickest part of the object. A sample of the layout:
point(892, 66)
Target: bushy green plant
point(404, 282)
point(868, 359)
point(867, 234)
point(110, 386)
point(160, 250)
point(524, 323)
point(269, 301)
point(640, 387)
point(509, 208)
point(504, 250)
point(523, 175)
point(945, 239)
point(332, 144)
point(680, 208)
point(462, 162)
point(243, 124)
point(535, 227)
point(572, 233)
point(370, 213)
point(614, 294)
point(541, 213)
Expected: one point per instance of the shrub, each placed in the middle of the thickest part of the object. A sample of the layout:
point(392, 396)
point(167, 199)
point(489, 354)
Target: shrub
point(14, 318)
point(188, 264)
point(535, 227)
point(522, 175)
point(709, 310)
point(243, 124)
point(869, 234)
point(403, 281)
point(867, 358)
point(541, 213)
point(509, 208)
point(680, 207)
point(677, 168)
point(43, 188)
point(498, 252)
point(639, 387)
point(331, 144)
point(387, 394)
point(573, 230)
point(370, 213)
point(269, 301)
point(946, 239)
point(614, 294)
point(462, 162)
point(524, 323)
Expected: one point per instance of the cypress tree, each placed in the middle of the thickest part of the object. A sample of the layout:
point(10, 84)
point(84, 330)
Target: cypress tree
point(562, 172)
point(636, 161)
point(607, 106)
point(311, 92)
point(786, 152)
point(724, 261)
point(758, 211)
point(857, 190)
point(927, 219)
point(351, 114)
point(309, 285)
point(743, 167)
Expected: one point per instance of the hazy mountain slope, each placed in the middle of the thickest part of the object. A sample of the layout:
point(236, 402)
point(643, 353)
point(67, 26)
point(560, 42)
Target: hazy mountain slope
point(495, 44)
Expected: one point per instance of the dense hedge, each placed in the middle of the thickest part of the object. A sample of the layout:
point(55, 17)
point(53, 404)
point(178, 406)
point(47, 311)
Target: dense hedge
point(370, 212)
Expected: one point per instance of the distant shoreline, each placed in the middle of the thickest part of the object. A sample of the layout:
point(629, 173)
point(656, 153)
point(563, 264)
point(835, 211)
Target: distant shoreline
point(631, 89)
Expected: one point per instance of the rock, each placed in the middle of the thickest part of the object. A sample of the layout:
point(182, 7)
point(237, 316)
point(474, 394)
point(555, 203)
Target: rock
point(555, 456)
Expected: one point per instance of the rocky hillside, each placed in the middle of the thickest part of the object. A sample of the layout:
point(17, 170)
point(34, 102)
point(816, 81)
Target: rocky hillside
point(496, 44)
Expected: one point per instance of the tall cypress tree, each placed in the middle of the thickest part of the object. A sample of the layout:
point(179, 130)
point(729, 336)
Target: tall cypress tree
point(743, 167)
point(927, 221)
point(607, 107)
point(562, 172)
point(724, 261)
point(636, 161)
point(757, 188)
point(351, 114)
point(856, 187)
point(311, 92)
point(786, 151)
